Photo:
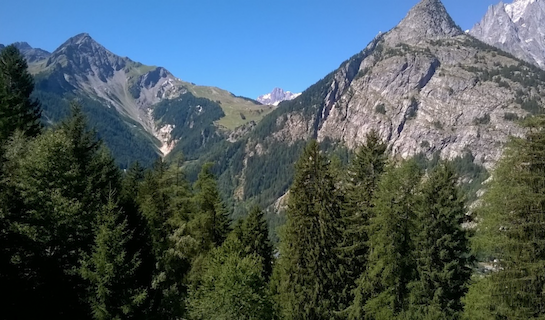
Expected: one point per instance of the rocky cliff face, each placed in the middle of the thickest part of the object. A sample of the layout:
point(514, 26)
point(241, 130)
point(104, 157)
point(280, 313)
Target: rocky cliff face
point(276, 96)
point(425, 86)
point(31, 54)
point(518, 28)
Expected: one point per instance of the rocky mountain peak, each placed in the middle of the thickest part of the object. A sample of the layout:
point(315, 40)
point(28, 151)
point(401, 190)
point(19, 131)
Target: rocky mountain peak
point(517, 27)
point(427, 20)
point(83, 55)
point(276, 96)
point(31, 54)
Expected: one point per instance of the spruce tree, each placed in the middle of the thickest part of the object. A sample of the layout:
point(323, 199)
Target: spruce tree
point(232, 286)
point(382, 291)
point(165, 202)
point(360, 184)
point(18, 111)
point(512, 227)
point(308, 275)
point(443, 258)
point(253, 235)
point(55, 193)
point(110, 270)
point(211, 223)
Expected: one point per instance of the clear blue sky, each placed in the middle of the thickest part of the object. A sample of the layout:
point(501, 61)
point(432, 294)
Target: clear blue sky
point(245, 46)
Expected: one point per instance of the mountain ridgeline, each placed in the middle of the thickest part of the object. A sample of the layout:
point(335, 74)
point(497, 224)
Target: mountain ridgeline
point(425, 86)
point(120, 95)
point(517, 28)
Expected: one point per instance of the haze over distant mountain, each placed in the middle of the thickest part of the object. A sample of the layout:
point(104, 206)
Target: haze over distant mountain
point(31, 54)
point(518, 28)
point(276, 96)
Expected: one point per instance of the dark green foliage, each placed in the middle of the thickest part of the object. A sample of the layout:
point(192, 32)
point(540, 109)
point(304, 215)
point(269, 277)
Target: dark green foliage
point(383, 289)
point(271, 176)
point(211, 222)
point(532, 105)
point(193, 119)
point(253, 235)
point(165, 202)
point(127, 140)
point(308, 275)
point(110, 269)
point(482, 120)
point(55, 185)
point(232, 287)
point(380, 109)
point(18, 111)
point(472, 175)
point(362, 176)
point(443, 259)
point(512, 230)
point(509, 116)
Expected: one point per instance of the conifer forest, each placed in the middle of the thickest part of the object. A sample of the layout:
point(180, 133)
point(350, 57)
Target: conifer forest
point(373, 237)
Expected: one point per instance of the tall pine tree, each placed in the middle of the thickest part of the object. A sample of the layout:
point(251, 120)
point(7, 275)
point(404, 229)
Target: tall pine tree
point(308, 274)
point(383, 291)
point(253, 235)
point(361, 181)
point(512, 228)
point(165, 202)
point(18, 111)
point(111, 270)
point(443, 258)
point(211, 223)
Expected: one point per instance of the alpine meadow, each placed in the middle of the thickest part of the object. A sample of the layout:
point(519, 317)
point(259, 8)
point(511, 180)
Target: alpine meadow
point(408, 183)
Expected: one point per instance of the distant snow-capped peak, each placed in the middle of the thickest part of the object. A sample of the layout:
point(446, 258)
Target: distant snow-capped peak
point(276, 96)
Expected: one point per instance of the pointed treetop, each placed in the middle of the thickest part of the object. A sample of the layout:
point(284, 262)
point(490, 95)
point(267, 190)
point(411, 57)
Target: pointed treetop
point(427, 20)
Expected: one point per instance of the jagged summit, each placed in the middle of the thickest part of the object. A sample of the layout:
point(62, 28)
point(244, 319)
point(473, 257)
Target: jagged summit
point(82, 40)
point(276, 96)
point(427, 20)
point(517, 28)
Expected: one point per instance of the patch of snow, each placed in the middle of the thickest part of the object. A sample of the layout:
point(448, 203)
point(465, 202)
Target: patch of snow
point(516, 9)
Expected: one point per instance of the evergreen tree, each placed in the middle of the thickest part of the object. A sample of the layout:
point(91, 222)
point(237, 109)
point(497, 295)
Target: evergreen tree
point(512, 231)
point(232, 286)
point(382, 291)
point(211, 223)
point(443, 256)
point(53, 194)
point(17, 110)
point(253, 235)
point(361, 181)
point(308, 275)
point(165, 202)
point(110, 270)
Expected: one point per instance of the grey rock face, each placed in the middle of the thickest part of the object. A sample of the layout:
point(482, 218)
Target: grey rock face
point(86, 67)
point(31, 54)
point(276, 96)
point(427, 20)
point(518, 28)
point(426, 87)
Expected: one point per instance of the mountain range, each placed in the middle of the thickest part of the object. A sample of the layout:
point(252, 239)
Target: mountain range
point(137, 109)
point(428, 88)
